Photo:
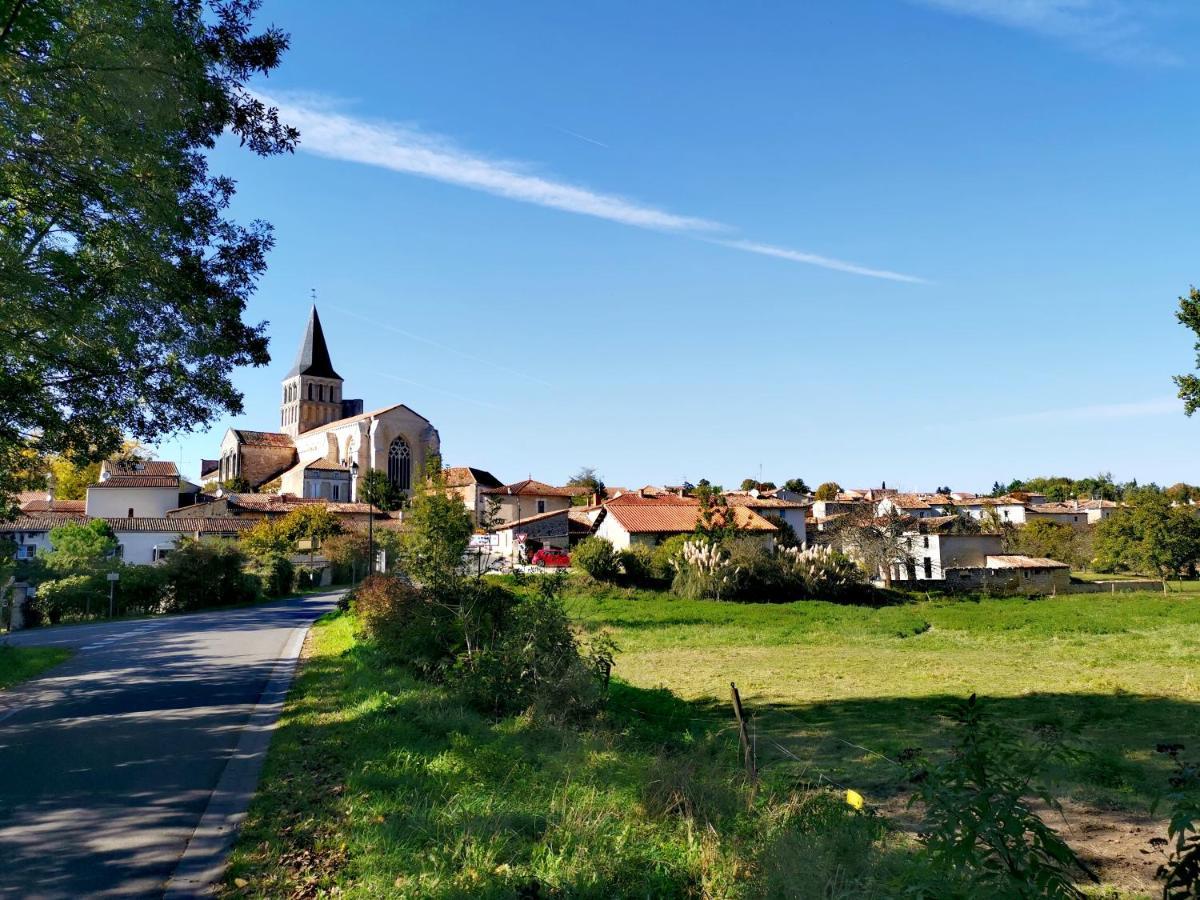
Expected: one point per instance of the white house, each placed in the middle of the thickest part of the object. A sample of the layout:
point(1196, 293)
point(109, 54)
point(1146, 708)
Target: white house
point(137, 489)
point(140, 540)
point(790, 511)
point(631, 519)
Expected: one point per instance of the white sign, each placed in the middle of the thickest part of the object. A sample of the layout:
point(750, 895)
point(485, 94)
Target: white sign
point(484, 540)
point(520, 538)
point(114, 576)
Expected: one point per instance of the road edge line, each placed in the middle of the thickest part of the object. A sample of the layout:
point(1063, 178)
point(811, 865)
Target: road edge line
point(207, 853)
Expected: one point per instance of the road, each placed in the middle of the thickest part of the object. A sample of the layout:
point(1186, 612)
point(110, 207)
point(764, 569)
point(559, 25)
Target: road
point(109, 761)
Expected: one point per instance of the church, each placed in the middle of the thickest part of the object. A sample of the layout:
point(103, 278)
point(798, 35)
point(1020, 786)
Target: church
point(323, 437)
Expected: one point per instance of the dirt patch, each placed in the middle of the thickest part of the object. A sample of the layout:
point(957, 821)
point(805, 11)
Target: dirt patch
point(1114, 843)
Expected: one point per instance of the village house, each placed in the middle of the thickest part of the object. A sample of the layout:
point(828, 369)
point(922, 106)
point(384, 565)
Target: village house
point(517, 502)
point(137, 489)
point(468, 484)
point(960, 562)
point(648, 521)
point(792, 512)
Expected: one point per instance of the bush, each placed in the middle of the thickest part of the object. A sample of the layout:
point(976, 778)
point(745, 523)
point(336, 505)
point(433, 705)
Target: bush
point(274, 572)
point(666, 556)
point(596, 557)
point(637, 562)
point(534, 663)
point(140, 590)
point(824, 573)
point(201, 574)
point(704, 572)
point(408, 625)
point(70, 597)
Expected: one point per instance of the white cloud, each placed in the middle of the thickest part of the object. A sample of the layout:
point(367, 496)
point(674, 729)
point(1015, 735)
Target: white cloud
point(1156, 407)
point(1115, 29)
point(403, 148)
point(813, 259)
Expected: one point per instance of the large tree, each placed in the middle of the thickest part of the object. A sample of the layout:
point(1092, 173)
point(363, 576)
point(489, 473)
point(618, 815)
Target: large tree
point(1150, 535)
point(1189, 316)
point(122, 278)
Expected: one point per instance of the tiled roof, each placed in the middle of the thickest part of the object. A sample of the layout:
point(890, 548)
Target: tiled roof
point(746, 500)
point(182, 524)
point(42, 505)
point(326, 465)
point(138, 481)
point(41, 522)
point(177, 525)
point(1067, 507)
point(525, 521)
point(531, 488)
point(636, 499)
point(159, 467)
point(464, 476)
point(674, 518)
point(263, 438)
point(1024, 562)
point(360, 417)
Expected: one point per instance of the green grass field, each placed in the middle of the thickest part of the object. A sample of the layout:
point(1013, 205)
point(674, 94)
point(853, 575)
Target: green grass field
point(380, 785)
point(21, 663)
point(1117, 673)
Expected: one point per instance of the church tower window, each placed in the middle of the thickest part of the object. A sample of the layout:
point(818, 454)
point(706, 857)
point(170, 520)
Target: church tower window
point(400, 464)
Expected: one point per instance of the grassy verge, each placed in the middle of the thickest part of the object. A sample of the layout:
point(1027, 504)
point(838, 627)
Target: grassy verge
point(381, 785)
point(1117, 674)
point(21, 663)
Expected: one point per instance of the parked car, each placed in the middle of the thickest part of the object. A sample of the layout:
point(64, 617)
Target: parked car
point(552, 557)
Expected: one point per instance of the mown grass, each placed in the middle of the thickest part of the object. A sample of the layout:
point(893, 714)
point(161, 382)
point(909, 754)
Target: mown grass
point(21, 663)
point(380, 785)
point(1115, 673)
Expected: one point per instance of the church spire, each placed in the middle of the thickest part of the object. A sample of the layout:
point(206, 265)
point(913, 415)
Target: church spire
point(313, 356)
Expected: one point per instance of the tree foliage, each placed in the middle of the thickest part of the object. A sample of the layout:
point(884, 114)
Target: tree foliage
point(1045, 538)
point(828, 491)
point(82, 547)
point(122, 278)
point(1189, 317)
point(1150, 535)
point(589, 478)
point(796, 485)
point(437, 531)
point(376, 488)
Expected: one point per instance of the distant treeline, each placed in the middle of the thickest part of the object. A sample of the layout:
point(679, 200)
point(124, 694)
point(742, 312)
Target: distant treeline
point(1097, 487)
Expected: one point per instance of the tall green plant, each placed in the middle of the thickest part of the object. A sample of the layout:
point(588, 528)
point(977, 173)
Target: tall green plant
point(978, 824)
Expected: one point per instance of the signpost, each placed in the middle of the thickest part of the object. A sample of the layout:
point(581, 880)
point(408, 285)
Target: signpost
point(113, 578)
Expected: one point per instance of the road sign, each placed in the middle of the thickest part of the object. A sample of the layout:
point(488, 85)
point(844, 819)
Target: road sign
point(114, 576)
point(484, 540)
point(520, 538)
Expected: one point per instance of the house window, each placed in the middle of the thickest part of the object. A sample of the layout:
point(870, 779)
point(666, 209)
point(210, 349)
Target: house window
point(1006, 514)
point(337, 492)
point(321, 392)
point(130, 515)
point(541, 506)
point(310, 390)
point(926, 542)
point(400, 464)
point(928, 567)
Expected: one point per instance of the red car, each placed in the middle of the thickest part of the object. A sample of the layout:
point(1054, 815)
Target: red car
point(552, 557)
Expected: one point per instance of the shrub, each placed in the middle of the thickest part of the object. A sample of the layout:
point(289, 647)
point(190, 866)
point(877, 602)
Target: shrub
point(596, 557)
point(140, 590)
point(72, 596)
point(535, 663)
point(274, 572)
point(978, 824)
point(410, 625)
point(824, 573)
point(200, 574)
point(637, 562)
point(666, 556)
point(704, 572)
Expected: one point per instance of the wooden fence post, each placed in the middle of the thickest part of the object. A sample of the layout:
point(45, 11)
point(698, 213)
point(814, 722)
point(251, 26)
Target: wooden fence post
point(747, 748)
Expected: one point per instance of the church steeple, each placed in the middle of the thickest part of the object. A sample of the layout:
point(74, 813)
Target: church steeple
point(313, 356)
point(312, 390)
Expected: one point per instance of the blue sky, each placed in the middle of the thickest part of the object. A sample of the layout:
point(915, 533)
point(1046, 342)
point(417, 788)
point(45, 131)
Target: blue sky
point(928, 242)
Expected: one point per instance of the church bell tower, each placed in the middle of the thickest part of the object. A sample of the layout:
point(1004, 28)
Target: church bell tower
point(312, 390)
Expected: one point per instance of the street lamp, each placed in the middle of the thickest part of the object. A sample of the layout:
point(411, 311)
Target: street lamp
point(370, 520)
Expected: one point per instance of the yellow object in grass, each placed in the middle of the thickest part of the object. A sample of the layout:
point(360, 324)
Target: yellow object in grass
point(855, 799)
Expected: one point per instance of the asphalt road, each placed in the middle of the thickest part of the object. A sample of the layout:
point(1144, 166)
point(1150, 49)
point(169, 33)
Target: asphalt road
point(109, 761)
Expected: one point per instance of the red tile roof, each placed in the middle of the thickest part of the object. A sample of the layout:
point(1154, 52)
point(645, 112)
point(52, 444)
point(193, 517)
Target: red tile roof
point(326, 465)
point(464, 476)
point(41, 521)
point(138, 481)
point(676, 518)
point(43, 505)
point(531, 488)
